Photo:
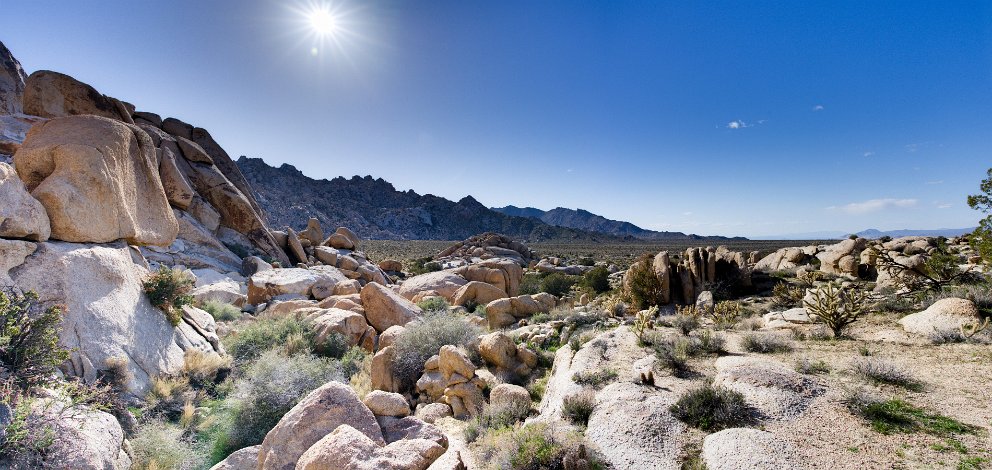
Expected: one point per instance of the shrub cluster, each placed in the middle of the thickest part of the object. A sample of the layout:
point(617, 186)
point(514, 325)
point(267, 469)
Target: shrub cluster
point(643, 288)
point(711, 408)
point(168, 289)
point(424, 338)
point(597, 280)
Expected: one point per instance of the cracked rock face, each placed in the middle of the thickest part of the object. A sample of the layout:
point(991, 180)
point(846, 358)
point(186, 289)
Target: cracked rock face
point(106, 313)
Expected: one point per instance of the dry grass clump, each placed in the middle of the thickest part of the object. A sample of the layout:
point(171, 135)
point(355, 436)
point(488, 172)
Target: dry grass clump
point(494, 418)
point(596, 377)
point(882, 371)
point(711, 408)
point(221, 311)
point(159, 445)
point(765, 343)
point(805, 365)
point(205, 369)
point(537, 446)
point(577, 407)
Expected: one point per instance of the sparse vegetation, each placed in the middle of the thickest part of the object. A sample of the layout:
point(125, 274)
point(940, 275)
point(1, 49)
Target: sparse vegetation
point(578, 406)
point(981, 238)
point(882, 371)
point(765, 343)
point(711, 408)
point(558, 284)
point(595, 377)
point(534, 447)
point(898, 416)
point(249, 342)
point(424, 338)
point(597, 280)
point(168, 289)
point(805, 365)
point(423, 265)
point(434, 304)
point(158, 444)
point(29, 340)
point(221, 311)
point(494, 418)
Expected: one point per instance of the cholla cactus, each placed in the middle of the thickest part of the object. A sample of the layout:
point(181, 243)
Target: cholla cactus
point(726, 312)
point(838, 308)
point(644, 322)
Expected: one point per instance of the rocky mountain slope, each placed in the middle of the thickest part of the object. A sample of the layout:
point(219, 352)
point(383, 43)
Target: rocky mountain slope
point(374, 209)
point(584, 220)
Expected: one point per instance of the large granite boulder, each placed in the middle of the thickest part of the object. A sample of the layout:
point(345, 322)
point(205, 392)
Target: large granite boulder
point(385, 308)
point(349, 449)
point(52, 94)
point(21, 215)
point(98, 180)
point(107, 314)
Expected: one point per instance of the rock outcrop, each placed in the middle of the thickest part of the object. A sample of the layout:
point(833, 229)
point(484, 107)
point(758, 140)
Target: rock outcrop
point(12, 80)
point(945, 316)
point(98, 181)
point(107, 314)
point(21, 215)
point(51, 94)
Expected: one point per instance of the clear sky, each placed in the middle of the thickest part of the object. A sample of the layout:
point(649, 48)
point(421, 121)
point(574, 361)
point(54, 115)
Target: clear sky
point(730, 118)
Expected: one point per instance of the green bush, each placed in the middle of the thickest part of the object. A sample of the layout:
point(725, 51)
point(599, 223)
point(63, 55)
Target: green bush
point(711, 408)
point(263, 334)
point(169, 289)
point(494, 418)
point(643, 287)
point(981, 238)
point(897, 416)
point(352, 361)
point(434, 304)
point(530, 284)
point(157, 444)
point(221, 311)
point(534, 447)
point(29, 340)
point(423, 265)
point(558, 284)
point(424, 338)
point(267, 390)
point(597, 280)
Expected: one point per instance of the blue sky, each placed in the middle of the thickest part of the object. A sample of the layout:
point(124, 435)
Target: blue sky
point(731, 118)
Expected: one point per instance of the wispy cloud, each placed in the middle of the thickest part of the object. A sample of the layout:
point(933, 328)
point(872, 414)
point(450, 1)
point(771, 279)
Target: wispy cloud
point(875, 205)
point(868, 154)
point(687, 213)
point(944, 206)
point(935, 182)
point(818, 107)
point(738, 124)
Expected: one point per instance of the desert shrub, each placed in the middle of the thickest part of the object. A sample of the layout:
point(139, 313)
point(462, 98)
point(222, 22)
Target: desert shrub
point(805, 365)
point(578, 406)
point(726, 313)
point(787, 295)
point(643, 287)
point(530, 284)
point(266, 333)
point(205, 370)
point(838, 308)
point(434, 304)
point(269, 388)
point(29, 339)
point(159, 445)
point(423, 265)
point(558, 284)
point(221, 311)
point(424, 338)
point(750, 324)
point(614, 306)
point(586, 261)
point(494, 418)
point(597, 280)
point(595, 377)
point(765, 343)
point(168, 289)
point(353, 360)
point(711, 408)
point(534, 447)
point(685, 323)
point(710, 342)
point(897, 416)
point(643, 322)
point(882, 371)
point(940, 269)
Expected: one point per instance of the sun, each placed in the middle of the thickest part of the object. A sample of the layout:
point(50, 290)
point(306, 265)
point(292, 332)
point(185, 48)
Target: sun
point(323, 21)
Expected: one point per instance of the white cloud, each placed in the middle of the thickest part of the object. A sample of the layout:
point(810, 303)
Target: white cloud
point(875, 205)
point(687, 213)
point(935, 182)
point(818, 107)
point(944, 206)
point(868, 154)
point(737, 125)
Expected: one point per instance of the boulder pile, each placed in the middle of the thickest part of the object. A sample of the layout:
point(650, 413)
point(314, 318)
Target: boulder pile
point(485, 246)
point(697, 271)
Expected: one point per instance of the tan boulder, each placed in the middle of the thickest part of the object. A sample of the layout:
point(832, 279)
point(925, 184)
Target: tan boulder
point(241, 459)
point(662, 270)
point(499, 350)
point(391, 265)
point(349, 324)
point(454, 361)
point(382, 370)
point(383, 403)
point(385, 308)
point(389, 336)
point(477, 292)
point(313, 232)
point(944, 316)
point(505, 312)
point(192, 151)
point(337, 240)
point(509, 395)
point(318, 414)
point(443, 283)
point(98, 180)
point(295, 247)
point(432, 412)
point(177, 188)
point(349, 449)
point(52, 94)
point(347, 233)
point(21, 215)
point(326, 255)
point(12, 254)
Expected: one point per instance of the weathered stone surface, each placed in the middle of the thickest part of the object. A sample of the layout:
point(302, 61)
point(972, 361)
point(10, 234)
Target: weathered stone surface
point(295, 247)
point(510, 395)
point(410, 427)
point(106, 311)
point(662, 270)
point(12, 79)
point(478, 293)
point(444, 283)
point(382, 370)
point(192, 151)
point(242, 459)
point(385, 308)
point(383, 403)
point(85, 439)
point(432, 412)
point(944, 316)
point(98, 181)
point(313, 233)
point(348, 449)
point(774, 389)
point(314, 417)
point(177, 188)
point(744, 449)
point(52, 94)
point(391, 265)
point(21, 215)
point(12, 254)
point(266, 284)
point(505, 312)
point(349, 324)
point(631, 427)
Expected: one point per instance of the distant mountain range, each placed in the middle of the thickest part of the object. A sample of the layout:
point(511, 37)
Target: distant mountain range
point(869, 233)
point(374, 209)
point(585, 220)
